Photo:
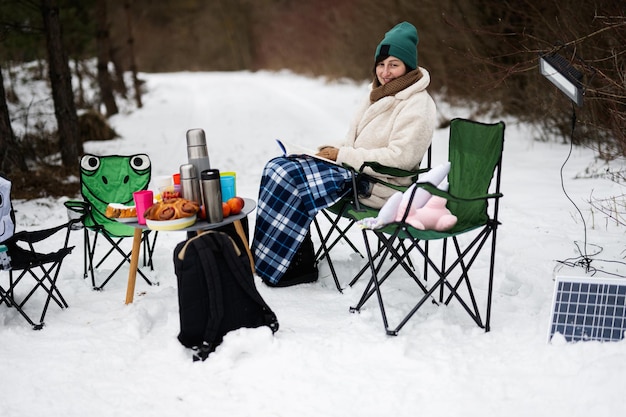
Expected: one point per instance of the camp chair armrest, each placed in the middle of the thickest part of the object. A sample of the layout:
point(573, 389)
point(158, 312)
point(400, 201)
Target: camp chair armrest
point(431, 188)
point(385, 170)
point(445, 194)
point(391, 171)
point(37, 235)
point(78, 206)
point(82, 208)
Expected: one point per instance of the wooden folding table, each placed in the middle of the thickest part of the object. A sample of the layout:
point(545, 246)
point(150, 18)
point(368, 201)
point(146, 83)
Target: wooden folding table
point(200, 225)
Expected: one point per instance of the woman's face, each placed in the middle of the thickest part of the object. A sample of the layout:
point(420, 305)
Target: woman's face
point(390, 69)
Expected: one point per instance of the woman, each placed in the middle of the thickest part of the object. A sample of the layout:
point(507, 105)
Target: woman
point(394, 126)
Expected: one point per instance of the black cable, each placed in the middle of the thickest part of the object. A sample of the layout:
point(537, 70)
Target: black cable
point(584, 259)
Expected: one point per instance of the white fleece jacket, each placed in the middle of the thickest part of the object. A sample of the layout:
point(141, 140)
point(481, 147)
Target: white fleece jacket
point(395, 131)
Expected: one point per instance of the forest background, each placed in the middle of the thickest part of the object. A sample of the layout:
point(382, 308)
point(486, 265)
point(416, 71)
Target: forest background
point(484, 53)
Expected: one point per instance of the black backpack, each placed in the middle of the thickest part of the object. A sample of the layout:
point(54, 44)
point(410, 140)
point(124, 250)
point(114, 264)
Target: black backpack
point(216, 292)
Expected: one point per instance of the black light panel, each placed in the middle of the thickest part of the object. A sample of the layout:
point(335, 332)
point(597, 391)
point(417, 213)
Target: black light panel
point(563, 75)
point(589, 308)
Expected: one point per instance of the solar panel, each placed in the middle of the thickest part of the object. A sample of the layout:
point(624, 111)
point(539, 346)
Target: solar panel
point(589, 308)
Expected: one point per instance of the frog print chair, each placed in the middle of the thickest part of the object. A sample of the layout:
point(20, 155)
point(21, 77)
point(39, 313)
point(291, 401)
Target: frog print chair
point(105, 180)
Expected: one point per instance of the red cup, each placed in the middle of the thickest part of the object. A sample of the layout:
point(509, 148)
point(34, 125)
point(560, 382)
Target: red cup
point(143, 200)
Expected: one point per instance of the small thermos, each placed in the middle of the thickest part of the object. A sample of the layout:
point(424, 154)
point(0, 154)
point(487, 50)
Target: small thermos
point(197, 153)
point(190, 183)
point(212, 195)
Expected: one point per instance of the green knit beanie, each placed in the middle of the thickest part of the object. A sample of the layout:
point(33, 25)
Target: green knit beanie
point(401, 42)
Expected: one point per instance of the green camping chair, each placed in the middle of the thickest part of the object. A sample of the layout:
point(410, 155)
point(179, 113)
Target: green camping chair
point(475, 154)
point(342, 216)
point(104, 180)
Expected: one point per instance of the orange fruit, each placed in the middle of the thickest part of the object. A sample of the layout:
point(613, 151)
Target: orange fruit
point(225, 209)
point(236, 205)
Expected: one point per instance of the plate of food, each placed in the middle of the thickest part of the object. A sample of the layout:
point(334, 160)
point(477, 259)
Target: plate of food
point(173, 214)
point(121, 213)
point(175, 224)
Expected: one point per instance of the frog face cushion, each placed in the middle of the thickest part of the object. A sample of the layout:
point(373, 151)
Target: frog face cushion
point(112, 179)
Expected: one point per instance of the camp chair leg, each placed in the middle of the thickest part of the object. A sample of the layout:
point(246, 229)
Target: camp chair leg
point(463, 263)
point(490, 285)
point(86, 252)
point(139, 271)
point(335, 234)
point(324, 250)
point(377, 254)
point(40, 284)
point(90, 263)
point(444, 256)
point(334, 228)
point(115, 247)
point(408, 258)
point(53, 288)
point(379, 250)
point(376, 281)
point(50, 275)
point(385, 248)
point(474, 248)
point(110, 251)
point(417, 306)
point(367, 293)
point(91, 251)
point(7, 297)
point(148, 248)
point(425, 267)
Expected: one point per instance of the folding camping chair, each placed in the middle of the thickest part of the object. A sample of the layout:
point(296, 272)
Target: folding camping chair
point(475, 154)
point(344, 214)
point(32, 272)
point(104, 180)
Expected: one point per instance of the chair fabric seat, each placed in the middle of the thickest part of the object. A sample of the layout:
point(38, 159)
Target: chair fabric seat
point(367, 212)
point(23, 259)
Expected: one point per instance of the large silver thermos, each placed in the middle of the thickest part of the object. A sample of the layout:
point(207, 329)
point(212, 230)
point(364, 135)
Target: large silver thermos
point(190, 183)
point(212, 195)
point(197, 153)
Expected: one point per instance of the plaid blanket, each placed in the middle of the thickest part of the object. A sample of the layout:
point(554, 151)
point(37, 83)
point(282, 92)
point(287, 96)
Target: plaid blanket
point(292, 191)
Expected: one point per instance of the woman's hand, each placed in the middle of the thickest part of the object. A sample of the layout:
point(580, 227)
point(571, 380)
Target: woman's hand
point(328, 152)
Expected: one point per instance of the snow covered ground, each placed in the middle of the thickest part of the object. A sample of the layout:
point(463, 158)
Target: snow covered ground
point(101, 357)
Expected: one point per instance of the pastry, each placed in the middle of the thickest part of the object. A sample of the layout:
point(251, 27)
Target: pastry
point(120, 211)
point(172, 209)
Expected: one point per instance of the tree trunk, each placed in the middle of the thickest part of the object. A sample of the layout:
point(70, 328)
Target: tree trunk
point(80, 97)
point(61, 83)
point(102, 45)
point(131, 53)
point(11, 157)
point(120, 83)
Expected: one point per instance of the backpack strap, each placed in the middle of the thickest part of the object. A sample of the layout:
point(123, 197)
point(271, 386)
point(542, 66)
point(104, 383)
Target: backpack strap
point(204, 249)
point(242, 274)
